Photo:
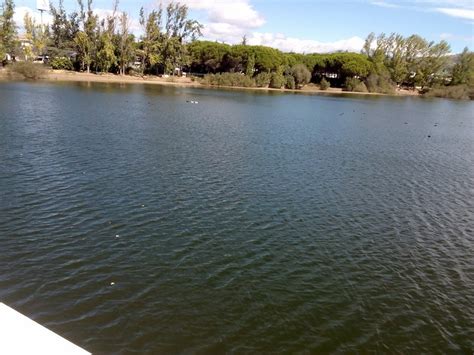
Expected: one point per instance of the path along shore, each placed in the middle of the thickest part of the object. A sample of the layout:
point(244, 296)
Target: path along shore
point(63, 75)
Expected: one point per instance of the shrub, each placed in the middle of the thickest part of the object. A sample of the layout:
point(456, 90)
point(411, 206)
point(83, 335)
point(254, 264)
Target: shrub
point(277, 81)
point(355, 85)
point(262, 80)
point(301, 74)
point(324, 84)
point(228, 79)
point(63, 63)
point(28, 70)
point(290, 82)
point(380, 83)
point(135, 72)
point(458, 92)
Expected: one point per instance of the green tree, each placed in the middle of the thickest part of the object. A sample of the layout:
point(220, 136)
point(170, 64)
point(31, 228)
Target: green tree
point(277, 80)
point(263, 79)
point(367, 49)
point(7, 29)
point(106, 54)
point(431, 63)
point(151, 43)
point(207, 56)
point(463, 70)
point(395, 61)
point(235, 59)
point(411, 61)
point(178, 30)
point(355, 85)
point(86, 40)
point(37, 34)
point(59, 26)
point(289, 82)
point(125, 46)
point(266, 58)
point(84, 50)
point(106, 57)
point(301, 74)
point(250, 65)
point(324, 84)
point(415, 50)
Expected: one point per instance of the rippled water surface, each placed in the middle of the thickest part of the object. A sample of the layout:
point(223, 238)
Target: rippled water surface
point(249, 223)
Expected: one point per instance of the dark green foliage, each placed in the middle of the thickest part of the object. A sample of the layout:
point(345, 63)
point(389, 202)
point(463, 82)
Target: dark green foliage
point(324, 84)
point(301, 74)
point(206, 56)
point(168, 45)
point(63, 29)
point(28, 70)
point(343, 65)
point(62, 63)
point(177, 30)
point(354, 84)
point(150, 44)
point(458, 92)
point(309, 60)
point(290, 82)
point(234, 61)
point(266, 58)
point(277, 81)
point(380, 83)
point(228, 79)
point(262, 80)
point(250, 65)
point(124, 40)
point(410, 61)
point(7, 29)
point(463, 70)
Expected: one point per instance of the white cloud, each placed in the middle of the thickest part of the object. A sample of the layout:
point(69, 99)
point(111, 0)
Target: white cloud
point(231, 34)
point(21, 11)
point(291, 44)
point(237, 13)
point(457, 12)
point(229, 20)
point(463, 9)
point(231, 12)
point(445, 3)
point(223, 32)
point(133, 23)
point(385, 4)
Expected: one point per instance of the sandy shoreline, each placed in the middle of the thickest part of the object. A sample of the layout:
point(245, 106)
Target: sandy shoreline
point(71, 76)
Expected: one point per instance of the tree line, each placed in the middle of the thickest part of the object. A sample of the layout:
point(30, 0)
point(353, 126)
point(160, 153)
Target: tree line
point(84, 42)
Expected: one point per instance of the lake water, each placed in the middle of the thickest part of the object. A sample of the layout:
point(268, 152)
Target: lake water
point(248, 223)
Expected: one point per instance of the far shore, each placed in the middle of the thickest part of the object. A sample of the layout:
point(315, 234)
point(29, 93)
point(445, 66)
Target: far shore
point(72, 76)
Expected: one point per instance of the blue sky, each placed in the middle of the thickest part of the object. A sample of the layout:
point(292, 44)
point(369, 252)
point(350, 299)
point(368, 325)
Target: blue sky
point(313, 26)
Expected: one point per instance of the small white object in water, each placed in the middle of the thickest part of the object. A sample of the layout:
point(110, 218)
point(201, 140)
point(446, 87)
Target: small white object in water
point(117, 236)
point(112, 283)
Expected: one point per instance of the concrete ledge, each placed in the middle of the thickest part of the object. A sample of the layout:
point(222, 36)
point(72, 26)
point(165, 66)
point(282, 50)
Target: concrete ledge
point(21, 335)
